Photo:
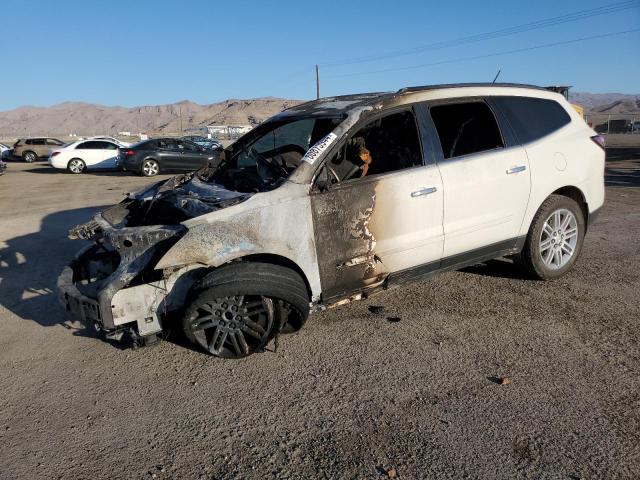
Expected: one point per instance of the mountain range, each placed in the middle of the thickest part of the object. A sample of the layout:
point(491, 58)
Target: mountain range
point(89, 119)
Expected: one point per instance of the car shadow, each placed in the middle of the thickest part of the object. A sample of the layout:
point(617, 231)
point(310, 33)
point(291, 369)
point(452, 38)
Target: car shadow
point(622, 174)
point(499, 268)
point(101, 173)
point(30, 265)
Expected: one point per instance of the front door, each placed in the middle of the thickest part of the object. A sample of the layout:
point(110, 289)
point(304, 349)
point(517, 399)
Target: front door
point(377, 209)
point(486, 180)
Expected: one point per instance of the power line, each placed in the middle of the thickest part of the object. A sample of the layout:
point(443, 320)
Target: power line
point(548, 22)
point(495, 54)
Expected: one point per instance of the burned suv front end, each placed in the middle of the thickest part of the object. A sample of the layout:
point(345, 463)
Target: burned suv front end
point(112, 284)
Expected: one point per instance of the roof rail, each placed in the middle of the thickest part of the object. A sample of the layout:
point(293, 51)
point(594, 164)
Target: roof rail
point(462, 85)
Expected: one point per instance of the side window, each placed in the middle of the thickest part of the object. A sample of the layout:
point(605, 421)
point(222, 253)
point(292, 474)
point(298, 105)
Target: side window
point(187, 146)
point(166, 144)
point(53, 141)
point(90, 145)
point(466, 128)
point(384, 145)
point(109, 146)
point(38, 141)
point(532, 118)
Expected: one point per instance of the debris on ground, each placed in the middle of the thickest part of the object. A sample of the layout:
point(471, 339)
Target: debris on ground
point(393, 319)
point(505, 381)
point(392, 473)
point(376, 309)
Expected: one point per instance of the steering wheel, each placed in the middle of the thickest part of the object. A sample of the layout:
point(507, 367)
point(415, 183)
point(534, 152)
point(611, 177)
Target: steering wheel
point(333, 172)
point(277, 169)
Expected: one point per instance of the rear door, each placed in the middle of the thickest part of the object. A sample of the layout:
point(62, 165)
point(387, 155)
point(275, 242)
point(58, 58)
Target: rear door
point(105, 155)
point(193, 157)
point(168, 154)
point(87, 152)
point(40, 147)
point(486, 180)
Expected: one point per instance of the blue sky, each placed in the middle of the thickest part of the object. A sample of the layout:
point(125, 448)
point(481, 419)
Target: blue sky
point(141, 53)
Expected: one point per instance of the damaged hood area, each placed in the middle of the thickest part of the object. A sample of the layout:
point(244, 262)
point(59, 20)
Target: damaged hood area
point(166, 203)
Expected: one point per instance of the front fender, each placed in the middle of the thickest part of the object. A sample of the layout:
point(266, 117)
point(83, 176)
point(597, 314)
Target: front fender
point(282, 229)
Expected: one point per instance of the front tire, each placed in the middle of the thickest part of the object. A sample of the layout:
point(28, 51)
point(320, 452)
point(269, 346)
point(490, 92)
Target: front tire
point(555, 238)
point(150, 168)
point(238, 308)
point(29, 157)
point(76, 165)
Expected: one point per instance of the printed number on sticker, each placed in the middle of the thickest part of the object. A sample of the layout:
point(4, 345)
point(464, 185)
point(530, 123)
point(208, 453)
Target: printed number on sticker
point(314, 152)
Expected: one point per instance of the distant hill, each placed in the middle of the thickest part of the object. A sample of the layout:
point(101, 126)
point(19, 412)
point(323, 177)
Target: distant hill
point(607, 102)
point(88, 119)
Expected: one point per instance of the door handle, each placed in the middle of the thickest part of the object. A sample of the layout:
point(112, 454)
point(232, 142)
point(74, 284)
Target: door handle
point(520, 168)
point(424, 191)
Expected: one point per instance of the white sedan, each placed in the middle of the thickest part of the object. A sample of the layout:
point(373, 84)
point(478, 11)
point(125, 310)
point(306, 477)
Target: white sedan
point(85, 155)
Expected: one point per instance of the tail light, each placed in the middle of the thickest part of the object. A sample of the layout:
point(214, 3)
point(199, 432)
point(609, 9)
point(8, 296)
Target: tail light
point(53, 154)
point(599, 140)
point(129, 153)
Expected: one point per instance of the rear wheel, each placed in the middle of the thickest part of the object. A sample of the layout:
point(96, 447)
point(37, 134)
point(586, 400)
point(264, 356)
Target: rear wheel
point(555, 238)
point(76, 165)
point(150, 168)
point(238, 308)
point(29, 157)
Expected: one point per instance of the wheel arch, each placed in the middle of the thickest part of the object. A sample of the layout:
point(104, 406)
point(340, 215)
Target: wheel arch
point(576, 194)
point(270, 258)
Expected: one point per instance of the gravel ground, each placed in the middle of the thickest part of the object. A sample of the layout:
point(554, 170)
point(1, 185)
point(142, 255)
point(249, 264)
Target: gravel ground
point(353, 395)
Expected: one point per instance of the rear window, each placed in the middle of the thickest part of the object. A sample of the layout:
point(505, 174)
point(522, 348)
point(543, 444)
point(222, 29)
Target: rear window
point(532, 118)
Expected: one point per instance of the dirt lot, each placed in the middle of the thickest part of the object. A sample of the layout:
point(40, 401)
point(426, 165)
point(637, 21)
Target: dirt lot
point(353, 394)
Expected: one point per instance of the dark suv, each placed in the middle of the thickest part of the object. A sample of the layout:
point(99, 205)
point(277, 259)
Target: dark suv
point(151, 157)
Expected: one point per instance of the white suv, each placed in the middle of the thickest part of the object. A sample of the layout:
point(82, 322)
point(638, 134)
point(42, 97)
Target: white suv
point(336, 198)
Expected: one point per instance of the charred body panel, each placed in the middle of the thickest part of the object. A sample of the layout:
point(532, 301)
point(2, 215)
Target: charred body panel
point(275, 223)
point(345, 244)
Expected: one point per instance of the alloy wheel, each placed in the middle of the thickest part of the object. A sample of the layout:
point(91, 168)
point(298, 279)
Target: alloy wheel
point(76, 166)
point(233, 326)
point(150, 168)
point(558, 239)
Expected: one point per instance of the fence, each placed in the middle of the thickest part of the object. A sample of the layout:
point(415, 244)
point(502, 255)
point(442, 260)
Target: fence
point(614, 123)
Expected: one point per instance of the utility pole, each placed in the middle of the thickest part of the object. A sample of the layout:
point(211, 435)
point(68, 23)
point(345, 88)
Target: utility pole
point(317, 82)
point(180, 113)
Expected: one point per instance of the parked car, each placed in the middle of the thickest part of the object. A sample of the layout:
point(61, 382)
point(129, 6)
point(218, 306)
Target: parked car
point(111, 139)
point(5, 151)
point(3, 167)
point(31, 149)
point(208, 143)
point(85, 155)
point(151, 157)
point(334, 199)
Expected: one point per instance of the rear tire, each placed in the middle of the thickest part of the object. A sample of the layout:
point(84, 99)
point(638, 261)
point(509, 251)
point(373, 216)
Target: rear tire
point(237, 309)
point(150, 168)
point(554, 240)
point(29, 156)
point(76, 165)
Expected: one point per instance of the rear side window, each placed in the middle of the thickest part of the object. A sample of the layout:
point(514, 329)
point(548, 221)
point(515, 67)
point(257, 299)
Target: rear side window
point(532, 118)
point(466, 128)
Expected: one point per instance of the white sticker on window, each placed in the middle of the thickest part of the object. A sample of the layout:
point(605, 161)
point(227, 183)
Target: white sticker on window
point(314, 152)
